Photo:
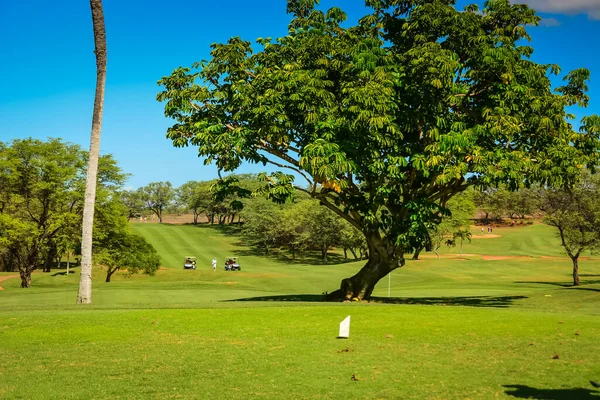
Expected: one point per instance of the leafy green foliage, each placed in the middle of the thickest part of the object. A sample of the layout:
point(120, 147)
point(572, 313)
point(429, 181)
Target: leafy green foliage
point(132, 199)
point(262, 224)
point(42, 203)
point(127, 251)
point(454, 226)
point(157, 196)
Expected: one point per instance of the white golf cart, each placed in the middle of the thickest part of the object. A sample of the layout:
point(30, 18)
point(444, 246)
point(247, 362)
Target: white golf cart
point(189, 263)
point(232, 264)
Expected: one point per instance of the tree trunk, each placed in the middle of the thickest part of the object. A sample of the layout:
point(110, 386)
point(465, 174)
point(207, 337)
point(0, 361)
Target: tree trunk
point(384, 257)
point(354, 253)
point(345, 253)
point(25, 278)
point(575, 271)
point(50, 256)
point(84, 296)
point(195, 218)
point(110, 273)
point(417, 252)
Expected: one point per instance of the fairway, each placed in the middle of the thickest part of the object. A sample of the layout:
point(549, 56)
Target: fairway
point(502, 322)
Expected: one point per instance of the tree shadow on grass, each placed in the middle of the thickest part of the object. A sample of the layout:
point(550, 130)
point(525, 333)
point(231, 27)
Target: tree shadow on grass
point(471, 301)
point(312, 298)
point(468, 301)
point(563, 284)
point(526, 392)
point(588, 289)
point(63, 273)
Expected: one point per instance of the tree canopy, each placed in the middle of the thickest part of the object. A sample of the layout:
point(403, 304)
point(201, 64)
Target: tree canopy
point(386, 120)
point(157, 196)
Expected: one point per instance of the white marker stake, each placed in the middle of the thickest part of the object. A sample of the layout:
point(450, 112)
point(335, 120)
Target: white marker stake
point(345, 328)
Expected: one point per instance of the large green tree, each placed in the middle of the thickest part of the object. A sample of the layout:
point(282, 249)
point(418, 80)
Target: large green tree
point(385, 121)
point(40, 200)
point(43, 199)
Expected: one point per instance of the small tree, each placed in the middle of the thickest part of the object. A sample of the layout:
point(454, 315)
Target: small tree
point(157, 196)
point(262, 224)
point(323, 227)
point(576, 215)
point(456, 224)
point(353, 240)
point(461, 235)
point(128, 252)
point(133, 201)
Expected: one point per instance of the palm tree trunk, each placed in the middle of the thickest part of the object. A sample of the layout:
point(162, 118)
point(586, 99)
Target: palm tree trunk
point(84, 296)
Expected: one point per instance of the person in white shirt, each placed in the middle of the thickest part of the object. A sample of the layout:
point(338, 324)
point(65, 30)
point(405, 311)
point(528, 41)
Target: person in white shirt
point(214, 263)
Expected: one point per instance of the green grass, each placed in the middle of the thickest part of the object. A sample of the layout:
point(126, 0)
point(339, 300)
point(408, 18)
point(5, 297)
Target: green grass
point(477, 328)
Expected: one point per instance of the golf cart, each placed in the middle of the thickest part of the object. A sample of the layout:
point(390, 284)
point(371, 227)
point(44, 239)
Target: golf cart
point(232, 264)
point(190, 263)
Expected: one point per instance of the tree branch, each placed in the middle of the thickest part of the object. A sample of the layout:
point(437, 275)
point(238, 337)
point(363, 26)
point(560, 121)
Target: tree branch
point(265, 147)
point(292, 168)
point(335, 209)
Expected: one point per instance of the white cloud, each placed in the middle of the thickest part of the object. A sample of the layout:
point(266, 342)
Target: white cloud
point(549, 22)
point(589, 7)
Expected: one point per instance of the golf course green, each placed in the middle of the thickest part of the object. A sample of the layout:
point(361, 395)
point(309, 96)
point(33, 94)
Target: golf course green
point(502, 321)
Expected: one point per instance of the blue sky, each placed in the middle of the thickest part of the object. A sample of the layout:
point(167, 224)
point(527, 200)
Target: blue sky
point(47, 67)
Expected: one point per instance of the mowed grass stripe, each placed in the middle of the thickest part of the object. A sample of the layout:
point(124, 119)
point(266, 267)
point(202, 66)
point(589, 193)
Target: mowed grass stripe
point(163, 242)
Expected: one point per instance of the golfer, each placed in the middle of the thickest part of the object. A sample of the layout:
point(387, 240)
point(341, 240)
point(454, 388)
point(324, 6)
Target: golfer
point(214, 263)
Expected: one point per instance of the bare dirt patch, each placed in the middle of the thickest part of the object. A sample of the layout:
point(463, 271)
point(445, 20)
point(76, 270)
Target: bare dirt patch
point(450, 256)
point(486, 236)
point(499, 258)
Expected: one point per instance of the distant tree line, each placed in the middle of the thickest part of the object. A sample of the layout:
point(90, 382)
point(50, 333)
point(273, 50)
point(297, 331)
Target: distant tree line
point(42, 185)
point(498, 203)
point(199, 198)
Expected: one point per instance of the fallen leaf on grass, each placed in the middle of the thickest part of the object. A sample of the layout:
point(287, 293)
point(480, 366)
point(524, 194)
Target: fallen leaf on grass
point(355, 378)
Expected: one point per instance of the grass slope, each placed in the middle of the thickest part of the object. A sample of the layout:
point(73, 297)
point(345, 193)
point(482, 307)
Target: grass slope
point(481, 327)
